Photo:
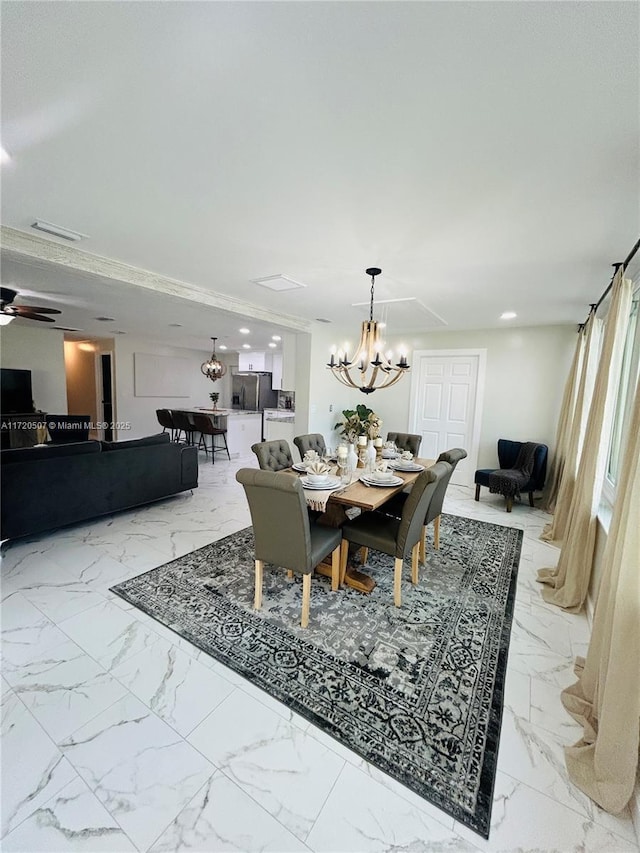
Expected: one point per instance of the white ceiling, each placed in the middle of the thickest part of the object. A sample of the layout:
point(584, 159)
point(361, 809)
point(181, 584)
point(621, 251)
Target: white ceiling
point(485, 155)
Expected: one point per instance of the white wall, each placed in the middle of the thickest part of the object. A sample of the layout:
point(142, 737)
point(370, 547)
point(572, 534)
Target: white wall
point(526, 371)
point(327, 396)
point(140, 412)
point(42, 352)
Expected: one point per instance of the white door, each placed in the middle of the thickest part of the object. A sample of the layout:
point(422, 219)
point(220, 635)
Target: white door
point(446, 405)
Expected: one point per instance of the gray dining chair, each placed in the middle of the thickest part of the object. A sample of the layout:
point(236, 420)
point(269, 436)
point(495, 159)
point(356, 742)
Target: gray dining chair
point(397, 537)
point(434, 511)
point(283, 533)
point(313, 441)
point(273, 455)
point(406, 441)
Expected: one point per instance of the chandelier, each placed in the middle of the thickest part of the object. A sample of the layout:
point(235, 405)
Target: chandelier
point(213, 368)
point(371, 368)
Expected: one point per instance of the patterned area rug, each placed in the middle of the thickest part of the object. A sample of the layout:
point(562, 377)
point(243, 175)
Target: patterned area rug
point(416, 690)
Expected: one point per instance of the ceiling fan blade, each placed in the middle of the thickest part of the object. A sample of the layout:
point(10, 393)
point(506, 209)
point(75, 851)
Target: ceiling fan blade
point(20, 309)
point(31, 315)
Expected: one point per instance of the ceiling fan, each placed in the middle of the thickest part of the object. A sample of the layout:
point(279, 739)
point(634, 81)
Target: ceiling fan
point(27, 312)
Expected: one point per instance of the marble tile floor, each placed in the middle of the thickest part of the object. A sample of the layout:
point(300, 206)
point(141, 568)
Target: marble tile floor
point(119, 735)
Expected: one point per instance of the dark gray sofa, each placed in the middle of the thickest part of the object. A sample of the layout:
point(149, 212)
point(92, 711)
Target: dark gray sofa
point(43, 488)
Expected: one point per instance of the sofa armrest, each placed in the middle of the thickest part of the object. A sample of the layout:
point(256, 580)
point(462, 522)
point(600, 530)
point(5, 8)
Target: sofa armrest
point(189, 467)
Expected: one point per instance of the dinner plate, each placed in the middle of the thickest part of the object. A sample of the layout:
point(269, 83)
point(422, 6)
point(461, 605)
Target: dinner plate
point(330, 483)
point(298, 466)
point(395, 481)
point(389, 454)
point(407, 467)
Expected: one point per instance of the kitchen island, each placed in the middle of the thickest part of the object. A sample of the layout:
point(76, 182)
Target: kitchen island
point(244, 428)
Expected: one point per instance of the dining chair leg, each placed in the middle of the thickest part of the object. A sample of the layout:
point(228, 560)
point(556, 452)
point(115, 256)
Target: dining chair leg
point(344, 556)
point(364, 554)
point(509, 504)
point(415, 556)
point(306, 597)
point(436, 532)
point(257, 601)
point(423, 544)
point(290, 574)
point(335, 569)
point(397, 582)
point(530, 498)
point(477, 491)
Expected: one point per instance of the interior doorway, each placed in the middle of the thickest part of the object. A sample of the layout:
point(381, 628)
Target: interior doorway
point(447, 390)
point(105, 389)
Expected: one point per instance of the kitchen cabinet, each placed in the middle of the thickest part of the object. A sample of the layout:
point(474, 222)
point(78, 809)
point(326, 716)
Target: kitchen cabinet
point(276, 372)
point(280, 430)
point(288, 382)
point(243, 430)
point(255, 361)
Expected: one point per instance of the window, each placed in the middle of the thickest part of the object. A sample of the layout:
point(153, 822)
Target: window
point(626, 392)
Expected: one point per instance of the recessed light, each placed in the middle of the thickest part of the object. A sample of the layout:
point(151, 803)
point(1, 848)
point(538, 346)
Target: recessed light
point(246, 346)
point(105, 319)
point(382, 325)
point(508, 315)
point(244, 331)
point(272, 345)
point(276, 338)
point(222, 346)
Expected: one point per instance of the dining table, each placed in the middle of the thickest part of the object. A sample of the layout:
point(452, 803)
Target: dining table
point(367, 498)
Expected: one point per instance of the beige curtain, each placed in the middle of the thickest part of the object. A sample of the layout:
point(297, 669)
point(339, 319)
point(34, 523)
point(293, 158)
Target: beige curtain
point(565, 420)
point(569, 582)
point(606, 699)
point(554, 531)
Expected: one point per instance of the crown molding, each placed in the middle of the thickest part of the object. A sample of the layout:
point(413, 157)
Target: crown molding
point(40, 248)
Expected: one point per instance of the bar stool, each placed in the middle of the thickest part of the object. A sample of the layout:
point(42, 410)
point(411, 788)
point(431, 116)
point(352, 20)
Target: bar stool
point(205, 425)
point(165, 419)
point(182, 423)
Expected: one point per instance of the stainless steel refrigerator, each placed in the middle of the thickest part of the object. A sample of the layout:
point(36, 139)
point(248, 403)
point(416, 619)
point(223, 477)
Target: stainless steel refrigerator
point(252, 392)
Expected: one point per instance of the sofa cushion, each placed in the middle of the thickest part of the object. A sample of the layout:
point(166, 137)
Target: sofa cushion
point(48, 451)
point(160, 438)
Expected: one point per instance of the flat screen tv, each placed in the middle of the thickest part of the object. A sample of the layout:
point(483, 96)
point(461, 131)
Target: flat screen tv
point(15, 391)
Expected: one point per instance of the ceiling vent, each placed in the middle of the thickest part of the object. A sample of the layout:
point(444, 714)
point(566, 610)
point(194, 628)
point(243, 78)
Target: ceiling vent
point(278, 283)
point(59, 231)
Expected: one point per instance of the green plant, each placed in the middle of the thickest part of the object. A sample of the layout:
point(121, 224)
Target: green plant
point(214, 396)
point(359, 421)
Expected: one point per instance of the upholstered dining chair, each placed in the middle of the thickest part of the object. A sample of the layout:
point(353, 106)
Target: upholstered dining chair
point(205, 426)
point(434, 510)
point(397, 537)
point(273, 455)
point(283, 534)
point(313, 441)
point(406, 441)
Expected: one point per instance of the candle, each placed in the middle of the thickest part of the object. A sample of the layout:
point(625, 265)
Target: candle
point(377, 442)
point(362, 440)
point(342, 450)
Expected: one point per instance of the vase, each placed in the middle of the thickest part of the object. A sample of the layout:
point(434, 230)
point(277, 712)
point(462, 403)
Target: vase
point(371, 457)
point(352, 458)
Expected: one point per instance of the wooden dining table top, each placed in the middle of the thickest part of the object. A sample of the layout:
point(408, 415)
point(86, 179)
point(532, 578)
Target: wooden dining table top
point(372, 497)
